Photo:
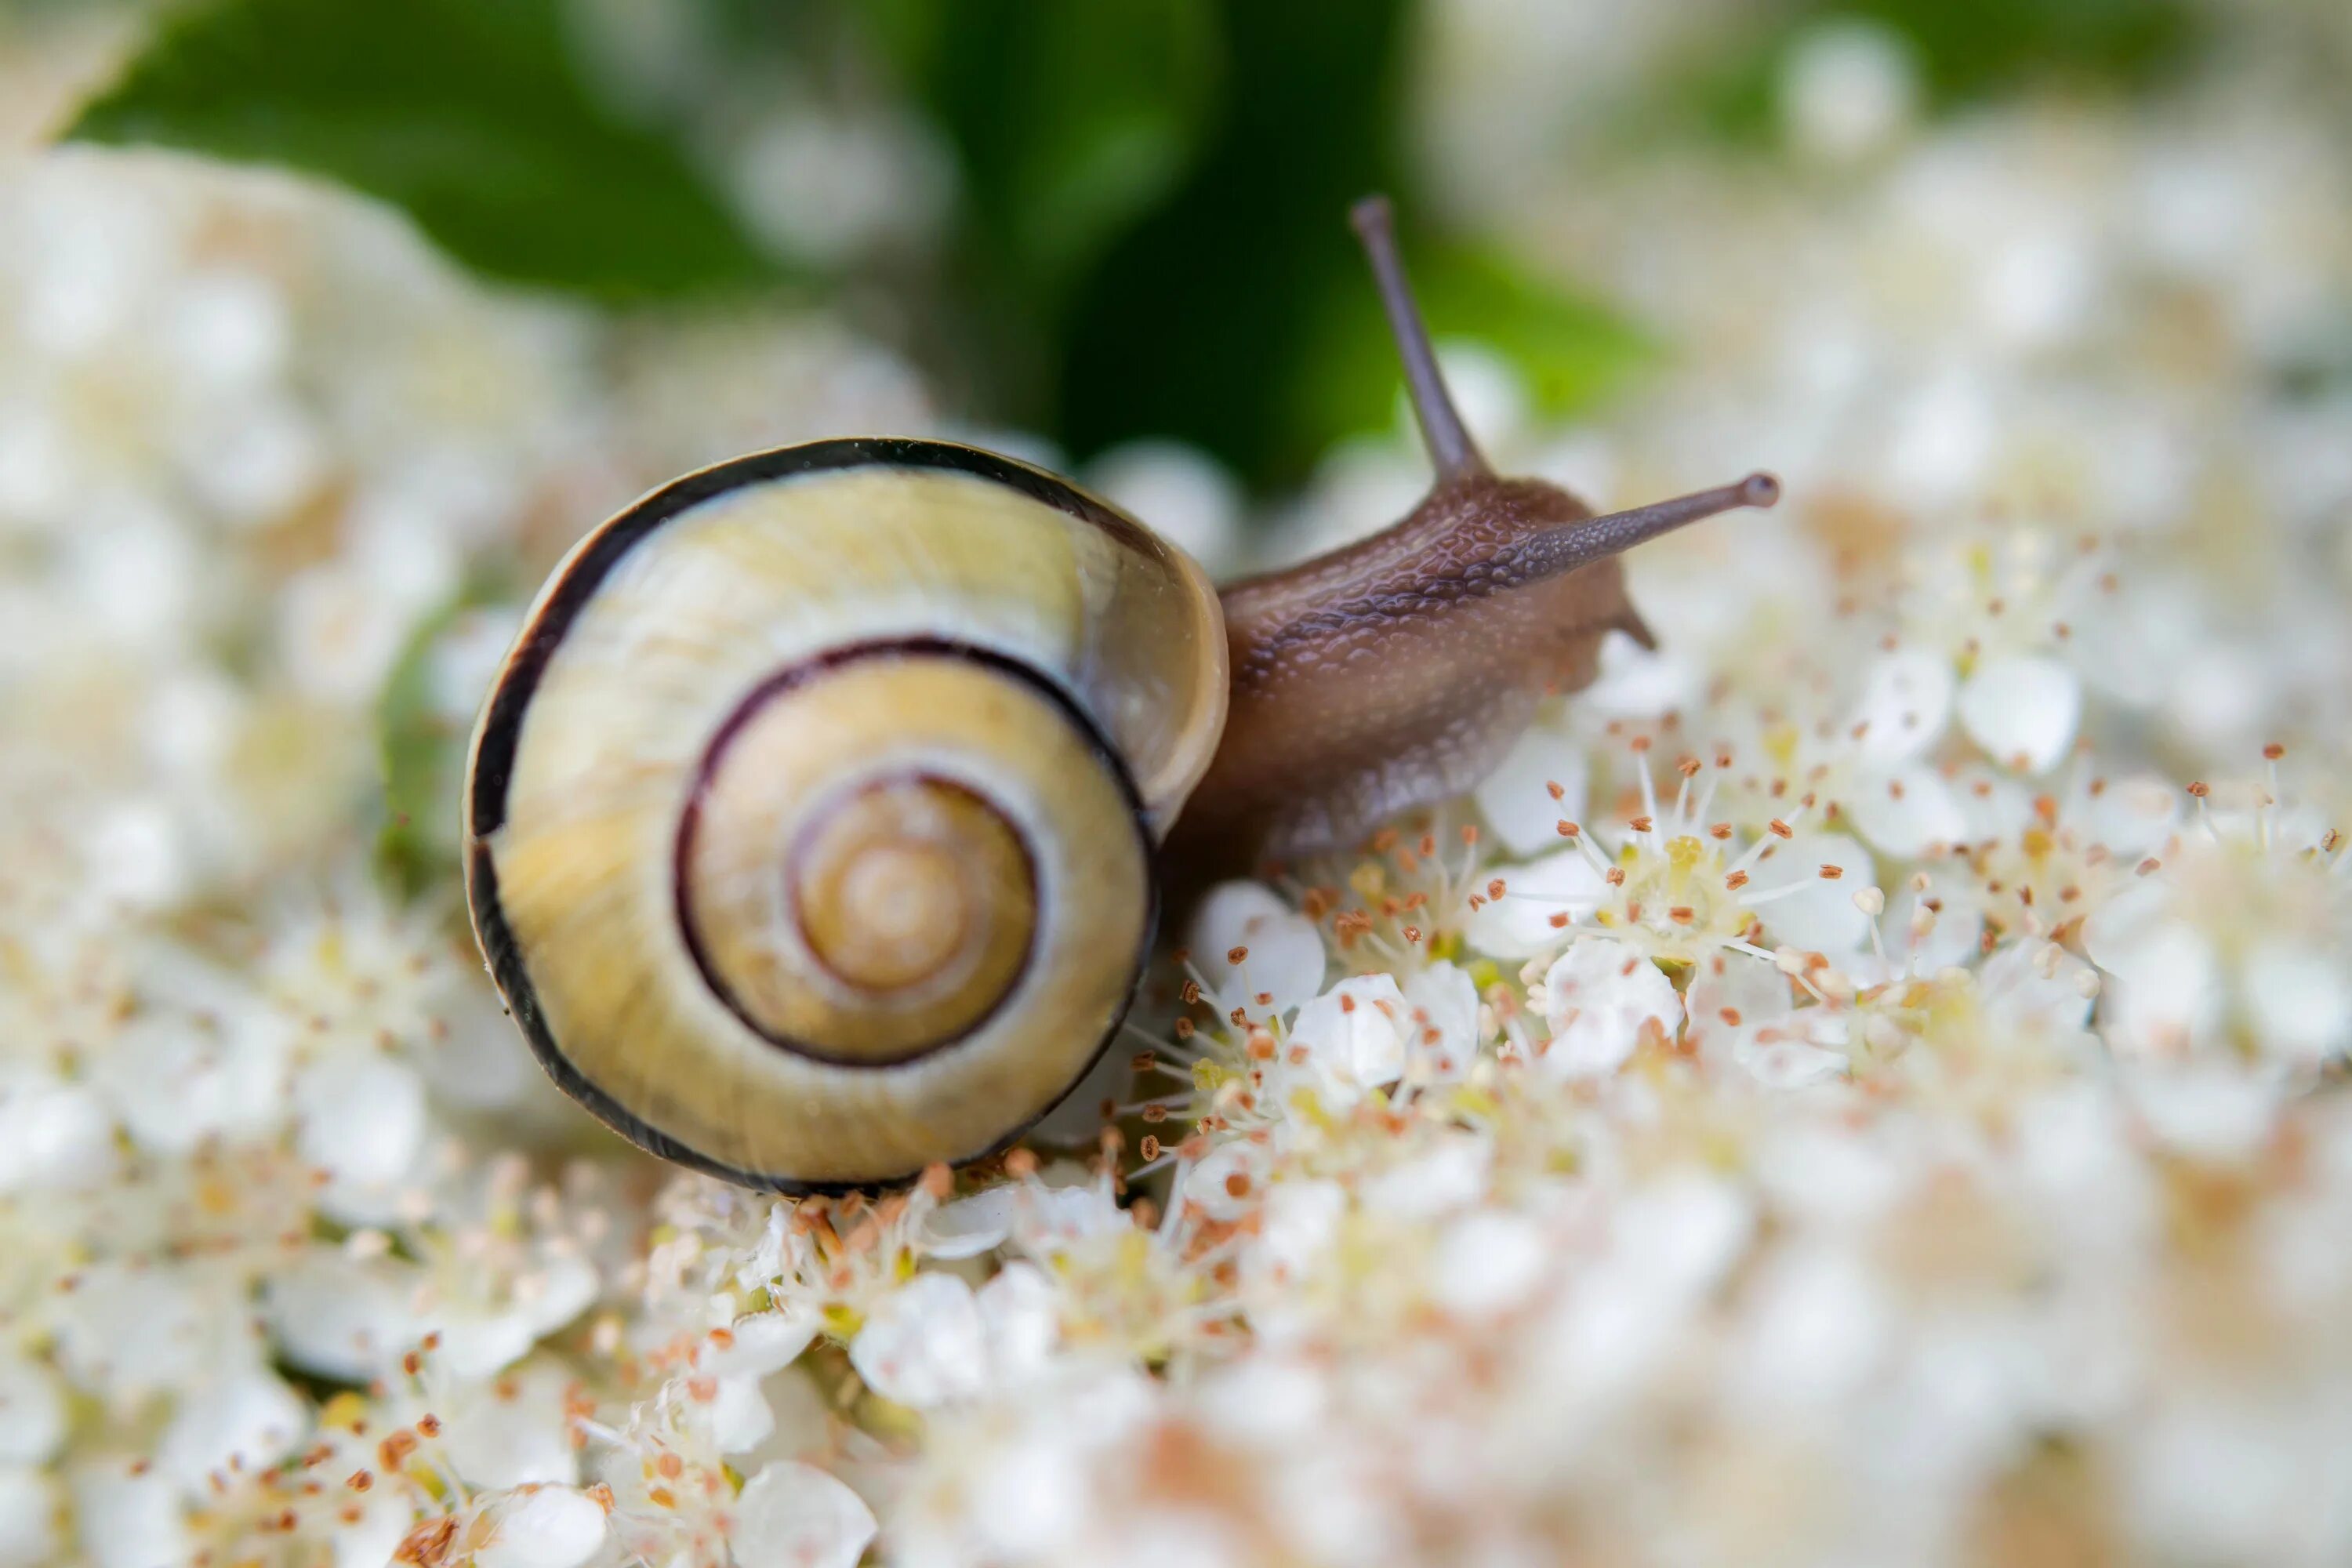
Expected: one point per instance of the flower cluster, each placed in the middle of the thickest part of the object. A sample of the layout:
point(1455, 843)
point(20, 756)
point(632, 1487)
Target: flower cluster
point(1865, 1081)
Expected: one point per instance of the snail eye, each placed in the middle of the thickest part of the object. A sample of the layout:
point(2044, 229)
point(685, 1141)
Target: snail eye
point(813, 814)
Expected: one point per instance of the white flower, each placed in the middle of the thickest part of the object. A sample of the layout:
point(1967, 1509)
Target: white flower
point(1229, 1180)
point(32, 1411)
point(1814, 909)
point(127, 1515)
point(1297, 1222)
point(1283, 952)
point(27, 1502)
point(363, 1120)
point(1020, 1312)
point(512, 1430)
point(1488, 1262)
point(1450, 1174)
point(1517, 798)
point(250, 1419)
point(542, 1526)
point(1041, 1218)
point(2022, 711)
point(129, 1332)
point(53, 1136)
point(1907, 701)
point(1908, 811)
point(1847, 88)
point(924, 1344)
point(1596, 997)
point(1351, 1038)
point(791, 1515)
point(1444, 1024)
point(341, 1317)
point(1565, 883)
point(1741, 1012)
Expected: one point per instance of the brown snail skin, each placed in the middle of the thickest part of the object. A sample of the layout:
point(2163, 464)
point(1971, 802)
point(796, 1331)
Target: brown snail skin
point(817, 819)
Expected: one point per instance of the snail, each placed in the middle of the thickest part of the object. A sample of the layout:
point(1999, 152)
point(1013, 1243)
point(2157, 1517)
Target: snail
point(816, 820)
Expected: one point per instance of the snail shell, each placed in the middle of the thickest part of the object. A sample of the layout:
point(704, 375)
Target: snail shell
point(812, 818)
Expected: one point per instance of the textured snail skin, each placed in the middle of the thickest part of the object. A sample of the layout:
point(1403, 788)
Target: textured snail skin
point(1394, 674)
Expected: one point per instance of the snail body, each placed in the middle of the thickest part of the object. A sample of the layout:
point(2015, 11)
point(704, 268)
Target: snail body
point(816, 820)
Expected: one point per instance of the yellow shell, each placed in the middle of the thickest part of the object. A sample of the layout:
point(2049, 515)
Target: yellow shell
point(811, 819)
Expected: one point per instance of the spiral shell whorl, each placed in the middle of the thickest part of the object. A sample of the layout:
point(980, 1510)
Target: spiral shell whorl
point(813, 814)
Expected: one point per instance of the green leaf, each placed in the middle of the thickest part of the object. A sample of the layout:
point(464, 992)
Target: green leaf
point(1070, 117)
point(1240, 315)
point(1966, 54)
point(468, 114)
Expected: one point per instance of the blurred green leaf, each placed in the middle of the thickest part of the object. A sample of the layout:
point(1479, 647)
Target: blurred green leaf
point(1240, 316)
point(1966, 53)
point(1971, 50)
point(1070, 118)
point(468, 114)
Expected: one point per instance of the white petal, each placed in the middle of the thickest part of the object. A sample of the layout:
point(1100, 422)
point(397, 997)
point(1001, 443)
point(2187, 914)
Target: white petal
point(1354, 1038)
point(1227, 1181)
point(740, 1415)
point(2298, 999)
point(1020, 1310)
point(1597, 995)
point(1907, 699)
point(1298, 1225)
point(513, 1430)
point(1518, 924)
point(1730, 999)
point(763, 1343)
point(32, 1411)
point(126, 1520)
point(1996, 804)
point(792, 1515)
point(178, 1084)
point(2022, 711)
point(341, 1317)
point(1905, 812)
point(971, 1226)
point(2133, 816)
point(53, 1137)
point(131, 1332)
point(1285, 951)
point(1451, 1175)
point(1780, 1059)
point(385, 1516)
point(1516, 798)
point(2167, 991)
point(2215, 1111)
point(542, 1527)
point(1487, 1262)
point(2032, 984)
point(1820, 915)
point(1948, 937)
point(250, 1419)
point(362, 1118)
point(1444, 1024)
point(924, 1343)
point(27, 1504)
